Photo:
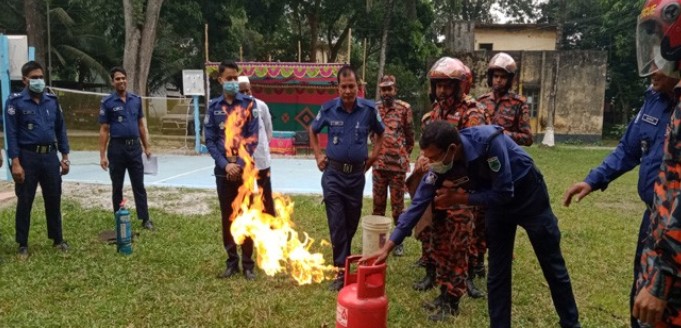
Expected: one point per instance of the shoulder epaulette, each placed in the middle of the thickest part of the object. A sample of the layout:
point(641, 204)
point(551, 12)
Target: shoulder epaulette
point(15, 95)
point(518, 97)
point(426, 116)
point(403, 103)
point(366, 103)
point(487, 95)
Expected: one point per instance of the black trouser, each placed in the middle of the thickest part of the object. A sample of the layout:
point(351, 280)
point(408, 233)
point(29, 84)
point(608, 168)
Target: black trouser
point(265, 187)
point(343, 199)
point(530, 208)
point(126, 154)
point(43, 169)
point(643, 232)
point(227, 192)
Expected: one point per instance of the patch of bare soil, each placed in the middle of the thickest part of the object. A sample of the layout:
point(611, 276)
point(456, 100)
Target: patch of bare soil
point(94, 196)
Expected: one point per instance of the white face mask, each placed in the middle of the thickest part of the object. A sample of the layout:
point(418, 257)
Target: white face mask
point(440, 167)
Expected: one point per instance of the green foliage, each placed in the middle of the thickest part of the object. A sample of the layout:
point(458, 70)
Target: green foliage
point(605, 25)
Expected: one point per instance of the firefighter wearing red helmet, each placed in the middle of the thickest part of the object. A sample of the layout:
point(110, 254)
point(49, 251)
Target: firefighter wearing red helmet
point(505, 108)
point(446, 243)
point(658, 300)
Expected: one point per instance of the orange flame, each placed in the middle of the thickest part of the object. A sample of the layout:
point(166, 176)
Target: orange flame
point(276, 242)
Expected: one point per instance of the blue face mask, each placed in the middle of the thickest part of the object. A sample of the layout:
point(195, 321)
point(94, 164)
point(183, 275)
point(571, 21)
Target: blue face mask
point(36, 85)
point(231, 87)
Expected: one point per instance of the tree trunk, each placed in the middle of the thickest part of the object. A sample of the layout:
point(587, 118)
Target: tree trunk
point(384, 42)
point(35, 28)
point(313, 20)
point(140, 38)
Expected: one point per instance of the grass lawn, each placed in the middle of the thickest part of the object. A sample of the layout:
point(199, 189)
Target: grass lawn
point(170, 280)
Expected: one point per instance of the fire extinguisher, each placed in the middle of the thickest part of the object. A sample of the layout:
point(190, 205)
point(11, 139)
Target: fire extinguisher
point(123, 230)
point(362, 303)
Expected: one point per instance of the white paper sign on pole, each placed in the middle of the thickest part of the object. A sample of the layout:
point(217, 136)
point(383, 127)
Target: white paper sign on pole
point(18, 55)
point(192, 82)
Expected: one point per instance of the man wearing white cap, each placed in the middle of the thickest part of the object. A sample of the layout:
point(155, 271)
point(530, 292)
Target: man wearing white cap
point(262, 151)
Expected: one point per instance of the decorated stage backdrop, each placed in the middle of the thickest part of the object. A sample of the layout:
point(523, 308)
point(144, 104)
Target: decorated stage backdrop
point(293, 91)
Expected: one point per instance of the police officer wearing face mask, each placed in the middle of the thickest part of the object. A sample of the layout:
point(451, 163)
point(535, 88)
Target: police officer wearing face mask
point(35, 132)
point(503, 178)
point(228, 164)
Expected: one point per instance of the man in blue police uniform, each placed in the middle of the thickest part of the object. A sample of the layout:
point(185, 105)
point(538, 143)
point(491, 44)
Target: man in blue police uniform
point(641, 144)
point(35, 132)
point(349, 120)
point(123, 128)
point(503, 179)
point(228, 164)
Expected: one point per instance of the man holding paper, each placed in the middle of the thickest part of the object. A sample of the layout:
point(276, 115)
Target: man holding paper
point(123, 129)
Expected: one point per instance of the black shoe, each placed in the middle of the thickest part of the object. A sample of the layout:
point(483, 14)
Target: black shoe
point(447, 309)
point(428, 281)
point(22, 252)
point(437, 302)
point(399, 250)
point(444, 312)
point(249, 274)
point(229, 272)
point(337, 283)
point(61, 246)
point(421, 262)
point(148, 225)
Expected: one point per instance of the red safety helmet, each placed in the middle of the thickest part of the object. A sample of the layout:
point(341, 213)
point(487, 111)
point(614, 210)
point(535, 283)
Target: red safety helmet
point(448, 68)
point(469, 80)
point(658, 38)
point(502, 61)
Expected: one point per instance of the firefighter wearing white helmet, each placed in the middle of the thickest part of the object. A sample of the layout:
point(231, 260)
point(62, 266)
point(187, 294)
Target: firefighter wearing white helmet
point(504, 107)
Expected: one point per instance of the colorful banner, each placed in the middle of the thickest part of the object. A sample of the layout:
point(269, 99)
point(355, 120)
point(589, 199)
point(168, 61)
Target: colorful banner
point(294, 92)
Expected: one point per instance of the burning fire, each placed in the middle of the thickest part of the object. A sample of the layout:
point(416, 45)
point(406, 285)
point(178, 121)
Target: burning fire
point(278, 246)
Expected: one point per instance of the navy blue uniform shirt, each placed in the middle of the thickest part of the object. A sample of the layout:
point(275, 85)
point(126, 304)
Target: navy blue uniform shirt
point(494, 163)
point(216, 119)
point(31, 123)
point(642, 144)
point(122, 117)
point(348, 132)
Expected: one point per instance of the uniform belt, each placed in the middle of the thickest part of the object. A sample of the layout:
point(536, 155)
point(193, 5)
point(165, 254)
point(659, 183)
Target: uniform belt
point(127, 141)
point(346, 168)
point(40, 149)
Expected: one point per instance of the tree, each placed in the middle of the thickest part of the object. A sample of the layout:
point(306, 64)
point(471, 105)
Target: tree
point(140, 39)
point(35, 27)
point(384, 40)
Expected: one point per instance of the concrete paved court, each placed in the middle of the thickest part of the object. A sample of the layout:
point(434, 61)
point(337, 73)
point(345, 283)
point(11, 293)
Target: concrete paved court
point(289, 175)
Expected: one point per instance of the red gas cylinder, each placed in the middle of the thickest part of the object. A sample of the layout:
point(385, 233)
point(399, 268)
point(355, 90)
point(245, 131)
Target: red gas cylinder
point(362, 303)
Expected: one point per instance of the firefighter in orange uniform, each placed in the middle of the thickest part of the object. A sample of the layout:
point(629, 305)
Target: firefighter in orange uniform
point(448, 81)
point(658, 300)
point(391, 167)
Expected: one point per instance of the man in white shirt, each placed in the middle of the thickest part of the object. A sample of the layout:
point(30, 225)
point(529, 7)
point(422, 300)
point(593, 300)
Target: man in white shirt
point(262, 152)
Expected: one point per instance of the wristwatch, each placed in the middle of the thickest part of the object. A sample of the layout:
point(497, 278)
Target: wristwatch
point(231, 159)
point(66, 161)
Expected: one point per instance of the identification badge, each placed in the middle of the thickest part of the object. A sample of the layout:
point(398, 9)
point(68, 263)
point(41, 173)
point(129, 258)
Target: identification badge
point(335, 140)
point(650, 119)
point(431, 178)
point(30, 126)
point(120, 119)
point(494, 164)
